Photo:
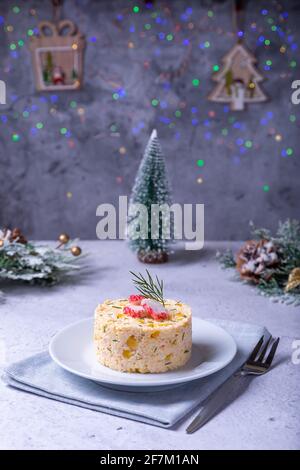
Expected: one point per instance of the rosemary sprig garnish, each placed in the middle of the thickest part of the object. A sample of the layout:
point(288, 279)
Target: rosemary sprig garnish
point(150, 288)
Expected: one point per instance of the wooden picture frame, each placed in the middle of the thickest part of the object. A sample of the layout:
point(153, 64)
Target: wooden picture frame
point(57, 56)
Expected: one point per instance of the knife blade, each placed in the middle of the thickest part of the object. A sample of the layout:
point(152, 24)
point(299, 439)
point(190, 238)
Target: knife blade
point(222, 397)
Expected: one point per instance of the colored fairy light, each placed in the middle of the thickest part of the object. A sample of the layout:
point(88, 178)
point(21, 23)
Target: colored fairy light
point(248, 144)
point(155, 102)
point(293, 63)
point(122, 150)
point(178, 113)
point(210, 13)
point(224, 131)
point(170, 37)
point(147, 26)
point(200, 162)
point(39, 125)
point(30, 32)
point(274, 28)
point(13, 46)
point(268, 62)
point(266, 188)
point(25, 114)
point(264, 12)
point(21, 43)
point(73, 104)
point(240, 34)
point(16, 9)
point(292, 118)
point(216, 68)
point(196, 82)
point(199, 180)
point(278, 137)
point(9, 28)
point(282, 49)
point(15, 137)
point(136, 9)
point(206, 44)
point(289, 151)
point(63, 130)
point(267, 42)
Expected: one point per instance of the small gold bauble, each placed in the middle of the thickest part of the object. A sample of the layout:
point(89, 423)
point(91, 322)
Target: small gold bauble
point(1, 243)
point(64, 238)
point(76, 250)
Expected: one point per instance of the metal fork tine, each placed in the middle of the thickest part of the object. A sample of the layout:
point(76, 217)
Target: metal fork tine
point(256, 350)
point(271, 355)
point(264, 349)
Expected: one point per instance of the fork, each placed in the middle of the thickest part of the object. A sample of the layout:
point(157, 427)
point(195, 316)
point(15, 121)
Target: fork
point(258, 363)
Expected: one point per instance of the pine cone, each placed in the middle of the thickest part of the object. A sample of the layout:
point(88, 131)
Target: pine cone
point(255, 259)
point(14, 235)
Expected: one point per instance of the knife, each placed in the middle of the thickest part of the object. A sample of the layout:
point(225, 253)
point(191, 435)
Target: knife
point(225, 394)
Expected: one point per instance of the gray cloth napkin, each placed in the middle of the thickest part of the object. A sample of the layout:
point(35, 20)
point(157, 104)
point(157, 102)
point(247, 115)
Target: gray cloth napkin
point(40, 375)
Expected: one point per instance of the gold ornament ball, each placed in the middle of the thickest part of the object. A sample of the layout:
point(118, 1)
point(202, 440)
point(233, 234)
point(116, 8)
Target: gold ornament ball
point(64, 238)
point(76, 250)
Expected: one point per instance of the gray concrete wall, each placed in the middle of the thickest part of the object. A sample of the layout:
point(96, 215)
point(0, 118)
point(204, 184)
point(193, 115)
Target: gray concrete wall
point(40, 171)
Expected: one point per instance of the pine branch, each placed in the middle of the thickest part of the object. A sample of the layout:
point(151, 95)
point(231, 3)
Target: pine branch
point(226, 259)
point(272, 281)
point(35, 264)
point(149, 288)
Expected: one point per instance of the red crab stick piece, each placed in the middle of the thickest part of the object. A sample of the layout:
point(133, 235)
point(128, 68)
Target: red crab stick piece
point(135, 311)
point(155, 309)
point(136, 299)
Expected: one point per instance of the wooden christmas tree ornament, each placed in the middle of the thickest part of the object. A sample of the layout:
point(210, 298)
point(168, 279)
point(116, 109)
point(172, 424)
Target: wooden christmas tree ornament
point(57, 56)
point(238, 80)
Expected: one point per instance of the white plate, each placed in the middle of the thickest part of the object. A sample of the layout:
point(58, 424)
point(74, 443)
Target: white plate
point(73, 349)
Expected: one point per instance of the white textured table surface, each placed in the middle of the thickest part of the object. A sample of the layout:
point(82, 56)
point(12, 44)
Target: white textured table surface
point(266, 416)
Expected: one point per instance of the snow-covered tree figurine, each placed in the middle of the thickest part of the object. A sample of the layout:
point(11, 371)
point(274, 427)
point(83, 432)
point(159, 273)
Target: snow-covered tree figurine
point(151, 189)
point(238, 80)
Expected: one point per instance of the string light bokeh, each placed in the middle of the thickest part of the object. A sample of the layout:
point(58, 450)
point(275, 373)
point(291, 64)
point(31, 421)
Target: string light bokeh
point(158, 28)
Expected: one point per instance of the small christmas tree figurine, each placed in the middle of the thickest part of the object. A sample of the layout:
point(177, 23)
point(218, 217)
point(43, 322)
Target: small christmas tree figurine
point(238, 80)
point(150, 187)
